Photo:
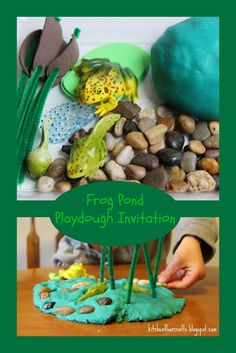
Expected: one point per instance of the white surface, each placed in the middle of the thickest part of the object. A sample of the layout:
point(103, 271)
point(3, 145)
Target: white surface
point(95, 31)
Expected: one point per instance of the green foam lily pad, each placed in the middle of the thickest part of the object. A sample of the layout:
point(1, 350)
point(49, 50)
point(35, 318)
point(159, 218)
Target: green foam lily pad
point(126, 54)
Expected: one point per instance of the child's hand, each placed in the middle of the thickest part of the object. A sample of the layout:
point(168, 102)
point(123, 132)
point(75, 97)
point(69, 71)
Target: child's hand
point(186, 267)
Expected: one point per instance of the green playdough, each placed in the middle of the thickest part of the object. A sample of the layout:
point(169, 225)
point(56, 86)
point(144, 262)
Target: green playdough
point(125, 54)
point(185, 67)
point(142, 307)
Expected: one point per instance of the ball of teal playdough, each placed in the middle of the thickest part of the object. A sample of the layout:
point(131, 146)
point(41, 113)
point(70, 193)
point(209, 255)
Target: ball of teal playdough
point(185, 67)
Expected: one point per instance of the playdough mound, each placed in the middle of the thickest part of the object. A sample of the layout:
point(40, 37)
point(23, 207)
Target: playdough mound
point(142, 307)
point(185, 67)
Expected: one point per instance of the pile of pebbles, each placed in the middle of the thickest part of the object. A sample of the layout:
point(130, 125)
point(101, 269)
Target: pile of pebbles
point(156, 147)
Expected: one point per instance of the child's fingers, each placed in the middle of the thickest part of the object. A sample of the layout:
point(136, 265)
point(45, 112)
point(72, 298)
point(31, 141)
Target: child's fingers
point(171, 269)
point(181, 284)
point(187, 281)
point(177, 276)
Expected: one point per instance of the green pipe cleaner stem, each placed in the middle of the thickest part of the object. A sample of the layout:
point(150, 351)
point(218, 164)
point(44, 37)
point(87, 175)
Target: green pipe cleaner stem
point(27, 97)
point(158, 258)
point(102, 263)
point(110, 267)
point(149, 269)
point(131, 272)
point(21, 87)
point(33, 122)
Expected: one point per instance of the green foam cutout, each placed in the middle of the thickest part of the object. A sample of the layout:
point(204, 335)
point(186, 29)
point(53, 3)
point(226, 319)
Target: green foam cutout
point(125, 54)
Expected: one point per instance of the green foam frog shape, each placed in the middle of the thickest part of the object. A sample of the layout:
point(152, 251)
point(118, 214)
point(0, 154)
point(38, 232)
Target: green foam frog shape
point(89, 153)
point(104, 82)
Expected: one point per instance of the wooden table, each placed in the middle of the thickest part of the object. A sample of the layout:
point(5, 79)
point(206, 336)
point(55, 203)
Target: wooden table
point(201, 310)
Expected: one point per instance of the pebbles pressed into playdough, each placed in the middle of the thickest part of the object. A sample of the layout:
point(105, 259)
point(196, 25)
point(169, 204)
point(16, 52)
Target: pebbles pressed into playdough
point(62, 299)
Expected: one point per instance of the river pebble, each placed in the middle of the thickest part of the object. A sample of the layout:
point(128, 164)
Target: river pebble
point(129, 126)
point(80, 285)
point(176, 174)
point(48, 305)
point(169, 122)
point(157, 147)
point(197, 147)
point(64, 310)
point(186, 124)
point(174, 140)
point(86, 309)
point(188, 163)
point(146, 124)
point(212, 142)
point(110, 141)
point(119, 146)
point(164, 111)
point(80, 182)
point(179, 186)
point(200, 181)
point(208, 164)
point(44, 295)
point(214, 127)
point(62, 186)
point(156, 134)
point(78, 134)
point(146, 160)
point(128, 109)
point(44, 289)
point(115, 171)
point(66, 149)
point(135, 172)
point(147, 113)
point(137, 140)
point(58, 168)
point(169, 156)
point(201, 131)
point(216, 178)
point(125, 156)
point(99, 176)
point(118, 128)
point(104, 301)
point(45, 184)
point(212, 153)
point(131, 181)
point(158, 178)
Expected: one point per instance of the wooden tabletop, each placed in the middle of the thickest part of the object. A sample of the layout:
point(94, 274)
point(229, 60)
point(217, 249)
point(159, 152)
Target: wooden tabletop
point(201, 310)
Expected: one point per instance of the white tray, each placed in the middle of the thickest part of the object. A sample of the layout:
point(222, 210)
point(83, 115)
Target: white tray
point(95, 31)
